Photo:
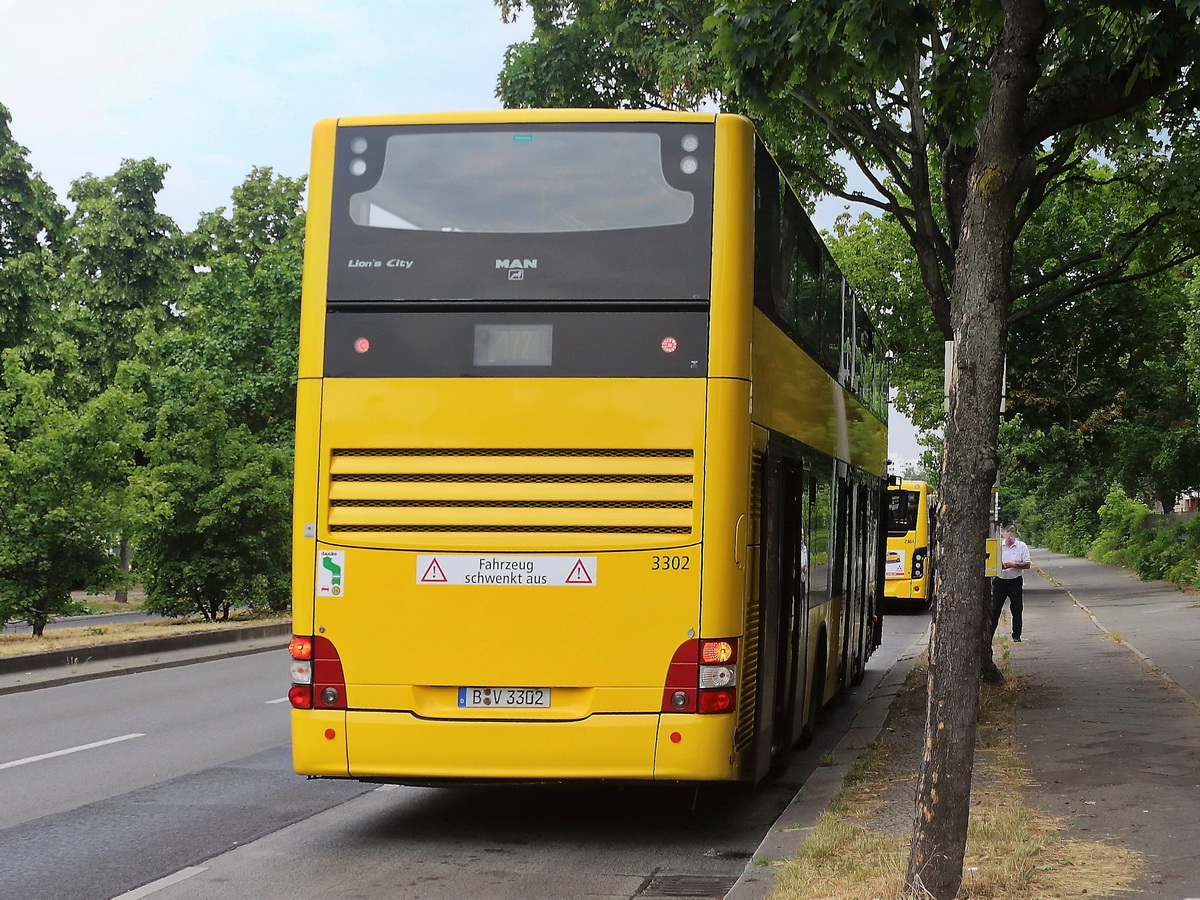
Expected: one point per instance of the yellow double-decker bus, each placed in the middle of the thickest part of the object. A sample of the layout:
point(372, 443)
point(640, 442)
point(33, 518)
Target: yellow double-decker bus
point(909, 573)
point(589, 453)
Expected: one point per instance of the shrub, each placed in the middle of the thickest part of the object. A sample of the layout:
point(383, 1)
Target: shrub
point(1121, 530)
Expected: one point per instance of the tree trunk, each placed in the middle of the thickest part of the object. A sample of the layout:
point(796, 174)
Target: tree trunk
point(955, 646)
point(39, 616)
point(981, 297)
point(123, 591)
point(989, 672)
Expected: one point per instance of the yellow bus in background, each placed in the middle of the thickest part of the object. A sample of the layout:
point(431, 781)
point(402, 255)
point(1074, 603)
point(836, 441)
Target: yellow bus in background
point(589, 456)
point(909, 575)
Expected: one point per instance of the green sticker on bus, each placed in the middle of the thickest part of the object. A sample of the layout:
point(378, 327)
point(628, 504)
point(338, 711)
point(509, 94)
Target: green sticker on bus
point(331, 573)
point(523, 137)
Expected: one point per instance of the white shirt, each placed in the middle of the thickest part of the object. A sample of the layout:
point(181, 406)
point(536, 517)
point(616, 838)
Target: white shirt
point(1017, 552)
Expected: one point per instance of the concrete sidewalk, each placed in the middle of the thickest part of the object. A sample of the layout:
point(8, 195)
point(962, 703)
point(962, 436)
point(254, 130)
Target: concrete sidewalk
point(1110, 725)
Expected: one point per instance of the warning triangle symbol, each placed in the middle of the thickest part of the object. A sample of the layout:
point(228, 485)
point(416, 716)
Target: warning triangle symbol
point(579, 574)
point(433, 574)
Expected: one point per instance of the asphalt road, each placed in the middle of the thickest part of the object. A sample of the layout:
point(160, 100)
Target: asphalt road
point(162, 724)
point(109, 784)
point(178, 784)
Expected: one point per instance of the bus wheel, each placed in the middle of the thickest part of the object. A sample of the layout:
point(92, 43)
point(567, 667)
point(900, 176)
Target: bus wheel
point(806, 735)
point(860, 672)
point(816, 704)
point(781, 748)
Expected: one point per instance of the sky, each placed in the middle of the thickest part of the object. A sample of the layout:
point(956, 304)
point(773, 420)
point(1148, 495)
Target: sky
point(214, 88)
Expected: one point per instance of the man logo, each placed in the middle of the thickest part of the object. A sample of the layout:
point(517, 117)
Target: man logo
point(516, 267)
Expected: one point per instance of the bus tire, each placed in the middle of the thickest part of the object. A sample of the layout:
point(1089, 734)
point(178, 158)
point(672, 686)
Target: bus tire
point(860, 672)
point(816, 702)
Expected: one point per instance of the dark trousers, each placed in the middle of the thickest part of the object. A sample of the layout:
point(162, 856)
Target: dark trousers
point(1010, 589)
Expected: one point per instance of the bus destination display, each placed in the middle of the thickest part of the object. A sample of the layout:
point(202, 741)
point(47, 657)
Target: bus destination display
point(514, 345)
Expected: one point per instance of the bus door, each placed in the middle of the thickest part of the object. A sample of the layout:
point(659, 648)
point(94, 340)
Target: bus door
point(859, 595)
point(843, 571)
point(783, 610)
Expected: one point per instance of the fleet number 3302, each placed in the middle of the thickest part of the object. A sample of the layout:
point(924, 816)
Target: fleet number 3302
point(670, 563)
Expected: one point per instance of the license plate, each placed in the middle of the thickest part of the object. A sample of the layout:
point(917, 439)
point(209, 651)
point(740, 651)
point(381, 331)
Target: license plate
point(503, 698)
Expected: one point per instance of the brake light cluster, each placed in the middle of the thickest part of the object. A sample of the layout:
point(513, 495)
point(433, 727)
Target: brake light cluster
point(918, 563)
point(317, 679)
point(702, 677)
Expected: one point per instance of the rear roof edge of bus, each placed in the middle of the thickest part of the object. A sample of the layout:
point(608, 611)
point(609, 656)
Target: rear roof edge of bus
point(504, 116)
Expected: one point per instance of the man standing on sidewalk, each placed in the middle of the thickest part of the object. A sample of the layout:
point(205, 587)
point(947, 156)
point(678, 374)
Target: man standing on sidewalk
point(1014, 560)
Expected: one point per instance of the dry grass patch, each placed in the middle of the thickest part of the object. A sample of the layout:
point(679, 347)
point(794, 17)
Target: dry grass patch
point(859, 848)
point(90, 636)
point(841, 860)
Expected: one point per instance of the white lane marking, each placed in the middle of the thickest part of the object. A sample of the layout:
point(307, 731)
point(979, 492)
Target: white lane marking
point(155, 886)
point(280, 700)
point(33, 759)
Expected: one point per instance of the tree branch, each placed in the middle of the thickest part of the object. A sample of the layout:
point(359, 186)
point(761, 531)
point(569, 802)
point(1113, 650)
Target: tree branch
point(938, 258)
point(1070, 102)
point(1060, 160)
point(1102, 279)
point(1132, 239)
point(693, 21)
point(851, 148)
point(891, 205)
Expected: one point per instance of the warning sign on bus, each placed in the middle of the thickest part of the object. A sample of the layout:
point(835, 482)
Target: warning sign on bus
point(504, 569)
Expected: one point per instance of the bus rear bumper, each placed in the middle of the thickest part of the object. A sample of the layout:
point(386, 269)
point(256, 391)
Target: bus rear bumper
point(394, 744)
point(904, 595)
point(319, 743)
point(397, 746)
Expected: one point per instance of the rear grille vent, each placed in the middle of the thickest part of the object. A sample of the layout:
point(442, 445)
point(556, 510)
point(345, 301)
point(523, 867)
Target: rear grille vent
point(510, 529)
point(748, 691)
point(544, 477)
point(525, 451)
point(523, 504)
point(521, 491)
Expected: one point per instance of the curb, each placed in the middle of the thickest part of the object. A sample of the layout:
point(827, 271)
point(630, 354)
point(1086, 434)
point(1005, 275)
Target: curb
point(788, 832)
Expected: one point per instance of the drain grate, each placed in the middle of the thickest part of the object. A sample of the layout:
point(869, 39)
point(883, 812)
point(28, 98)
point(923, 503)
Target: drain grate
point(693, 887)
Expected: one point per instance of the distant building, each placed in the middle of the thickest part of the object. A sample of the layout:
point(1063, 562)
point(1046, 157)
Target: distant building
point(1187, 502)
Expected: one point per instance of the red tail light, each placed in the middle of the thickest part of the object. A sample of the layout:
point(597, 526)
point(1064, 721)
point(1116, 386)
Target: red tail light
point(702, 677)
point(321, 683)
point(716, 701)
point(300, 696)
